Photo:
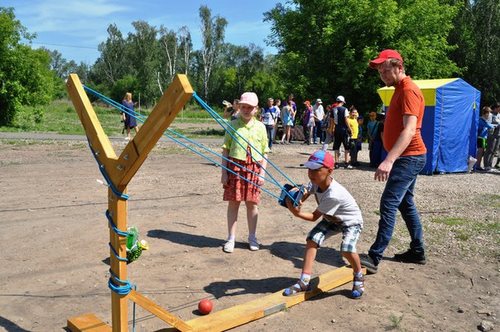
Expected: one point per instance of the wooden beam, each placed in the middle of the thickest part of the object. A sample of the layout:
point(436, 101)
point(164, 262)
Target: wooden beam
point(87, 323)
point(119, 303)
point(241, 314)
point(158, 311)
point(98, 140)
point(164, 113)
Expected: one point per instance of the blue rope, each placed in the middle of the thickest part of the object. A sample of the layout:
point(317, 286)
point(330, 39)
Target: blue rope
point(227, 169)
point(133, 114)
point(105, 175)
point(225, 126)
point(121, 290)
point(215, 116)
point(231, 131)
point(113, 226)
point(122, 259)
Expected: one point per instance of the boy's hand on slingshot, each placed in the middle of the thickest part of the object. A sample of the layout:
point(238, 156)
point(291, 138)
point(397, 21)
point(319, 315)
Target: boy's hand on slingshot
point(295, 210)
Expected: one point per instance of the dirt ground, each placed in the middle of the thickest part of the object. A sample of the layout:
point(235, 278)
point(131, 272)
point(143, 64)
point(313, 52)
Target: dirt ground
point(55, 236)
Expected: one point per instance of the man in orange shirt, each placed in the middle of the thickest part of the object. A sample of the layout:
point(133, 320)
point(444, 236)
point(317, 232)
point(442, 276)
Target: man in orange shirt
point(405, 159)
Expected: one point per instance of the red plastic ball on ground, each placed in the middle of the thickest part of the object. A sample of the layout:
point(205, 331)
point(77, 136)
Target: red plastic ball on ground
point(205, 306)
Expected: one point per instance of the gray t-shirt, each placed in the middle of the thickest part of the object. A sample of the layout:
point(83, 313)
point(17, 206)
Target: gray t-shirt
point(337, 204)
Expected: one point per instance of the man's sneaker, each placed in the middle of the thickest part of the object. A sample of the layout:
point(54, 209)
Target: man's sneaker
point(368, 262)
point(253, 244)
point(228, 246)
point(410, 256)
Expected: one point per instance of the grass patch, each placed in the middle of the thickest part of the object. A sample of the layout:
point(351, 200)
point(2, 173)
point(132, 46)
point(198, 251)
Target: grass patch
point(450, 221)
point(60, 117)
point(27, 142)
point(208, 132)
point(491, 200)
point(465, 229)
point(395, 322)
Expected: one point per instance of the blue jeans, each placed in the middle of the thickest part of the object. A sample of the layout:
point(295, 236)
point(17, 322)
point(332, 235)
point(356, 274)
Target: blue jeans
point(318, 132)
point(398, 195)
point(270, 135)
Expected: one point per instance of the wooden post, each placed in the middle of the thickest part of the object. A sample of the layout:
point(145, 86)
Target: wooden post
point(119, 303)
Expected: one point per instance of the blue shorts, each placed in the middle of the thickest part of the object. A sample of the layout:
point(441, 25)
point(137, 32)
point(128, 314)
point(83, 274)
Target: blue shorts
point(324, 229)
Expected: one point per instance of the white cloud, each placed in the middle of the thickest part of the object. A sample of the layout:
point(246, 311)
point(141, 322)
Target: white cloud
point(71, 15)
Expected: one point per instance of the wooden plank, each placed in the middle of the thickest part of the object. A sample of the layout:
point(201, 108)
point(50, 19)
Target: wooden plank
point(267, 305)
point(163, 114)
point(93, 129)
point(87, 323)
point(158, 311)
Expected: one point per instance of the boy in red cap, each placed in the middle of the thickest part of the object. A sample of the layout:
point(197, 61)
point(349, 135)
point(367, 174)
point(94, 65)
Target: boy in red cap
point(340, 214)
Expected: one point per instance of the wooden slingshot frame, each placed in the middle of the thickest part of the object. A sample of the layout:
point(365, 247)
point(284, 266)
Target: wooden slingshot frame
point(120, 171)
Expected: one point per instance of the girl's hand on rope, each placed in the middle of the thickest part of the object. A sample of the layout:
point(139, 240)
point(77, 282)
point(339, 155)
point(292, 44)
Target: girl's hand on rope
point(224, 178)
point(262, 179)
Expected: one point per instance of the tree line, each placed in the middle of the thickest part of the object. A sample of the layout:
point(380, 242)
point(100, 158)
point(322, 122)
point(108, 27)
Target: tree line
point(323, 50)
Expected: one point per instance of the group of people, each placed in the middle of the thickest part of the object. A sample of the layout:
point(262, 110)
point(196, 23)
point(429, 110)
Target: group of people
point(243, 173)
point(344, 127)
point(338, 125)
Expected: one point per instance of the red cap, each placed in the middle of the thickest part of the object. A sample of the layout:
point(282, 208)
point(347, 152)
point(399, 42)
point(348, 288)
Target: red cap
point(320, 159)
point(384, 56)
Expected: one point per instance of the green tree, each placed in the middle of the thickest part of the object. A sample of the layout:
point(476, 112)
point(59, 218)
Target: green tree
point(112, 63)
point(175, 53)
point(477, 34)
point(186, 47)
point(144, 50)
point(236, 65)
point(325, 45)
point(212, 30)
point(25, 76)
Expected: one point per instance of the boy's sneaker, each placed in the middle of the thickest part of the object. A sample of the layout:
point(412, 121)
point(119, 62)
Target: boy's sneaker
point(228, 247)
point(411, 256)
point(368, 262)
point(358, 286)
point(299, 286)
point(253, 244)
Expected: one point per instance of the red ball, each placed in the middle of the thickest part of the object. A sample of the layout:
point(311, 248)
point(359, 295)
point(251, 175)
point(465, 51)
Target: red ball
point(205, 306)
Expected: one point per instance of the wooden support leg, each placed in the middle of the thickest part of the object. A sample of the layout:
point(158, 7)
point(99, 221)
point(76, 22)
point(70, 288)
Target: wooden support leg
point(119, 303)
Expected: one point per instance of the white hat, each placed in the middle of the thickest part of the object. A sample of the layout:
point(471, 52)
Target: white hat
point(249, 98)
point(318, 101)
point(341, 99)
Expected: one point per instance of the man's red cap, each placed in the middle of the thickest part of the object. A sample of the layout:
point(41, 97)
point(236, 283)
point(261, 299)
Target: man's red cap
point(384, 56)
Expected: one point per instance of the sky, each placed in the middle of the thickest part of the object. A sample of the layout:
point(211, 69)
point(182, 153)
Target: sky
point(75, 28)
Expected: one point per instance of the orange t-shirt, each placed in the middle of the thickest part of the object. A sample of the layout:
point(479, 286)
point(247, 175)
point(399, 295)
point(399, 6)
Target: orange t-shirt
point(407, 100)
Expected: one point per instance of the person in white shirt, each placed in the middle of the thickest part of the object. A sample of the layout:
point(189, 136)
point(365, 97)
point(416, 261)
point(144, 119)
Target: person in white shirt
point(319, 114)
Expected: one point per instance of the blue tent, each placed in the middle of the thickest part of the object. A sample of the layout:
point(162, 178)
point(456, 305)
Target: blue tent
point(449, 127)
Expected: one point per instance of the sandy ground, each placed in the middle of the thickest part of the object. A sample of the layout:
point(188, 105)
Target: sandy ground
point(54, 237)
